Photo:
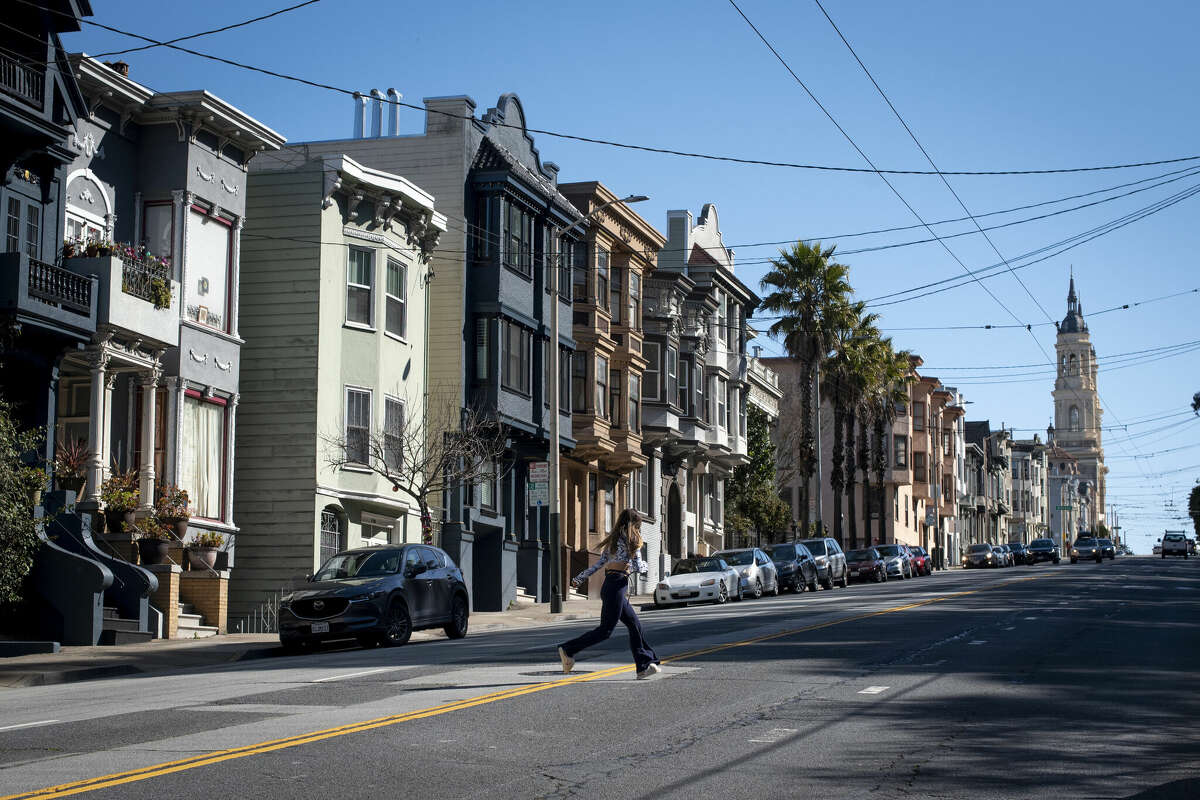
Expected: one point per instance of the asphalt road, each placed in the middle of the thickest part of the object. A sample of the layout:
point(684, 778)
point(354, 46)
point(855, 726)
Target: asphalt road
point(1068, 681)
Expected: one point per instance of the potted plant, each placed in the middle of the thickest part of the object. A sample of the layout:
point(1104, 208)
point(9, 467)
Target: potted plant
point(105, 247)
point(70, 248)
point(71, 460)
point(160, 293)
point(202, 552)
point(120, 496)
point(171, 510)
point(153, 544)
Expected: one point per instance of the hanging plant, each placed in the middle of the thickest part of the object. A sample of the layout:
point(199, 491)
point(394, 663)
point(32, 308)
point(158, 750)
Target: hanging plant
point(160, 293)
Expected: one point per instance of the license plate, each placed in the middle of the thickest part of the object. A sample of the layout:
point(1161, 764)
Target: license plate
point(853, 572)
point(320, 627)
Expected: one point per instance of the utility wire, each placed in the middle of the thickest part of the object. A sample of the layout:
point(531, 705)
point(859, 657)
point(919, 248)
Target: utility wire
point(609, 142)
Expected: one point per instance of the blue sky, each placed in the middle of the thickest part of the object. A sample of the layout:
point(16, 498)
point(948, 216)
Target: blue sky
point(1014, 85)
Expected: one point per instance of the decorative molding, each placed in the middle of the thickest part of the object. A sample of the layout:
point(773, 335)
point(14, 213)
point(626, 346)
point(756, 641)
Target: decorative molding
point(87, 145)
point(224, 366)
point(234, 398)
point(232, 188)
point(150, 378)
point(333, 182)
point(85, 194)
point(215, 211)
point(198, 358)
point(210, 177)
point(352, 205)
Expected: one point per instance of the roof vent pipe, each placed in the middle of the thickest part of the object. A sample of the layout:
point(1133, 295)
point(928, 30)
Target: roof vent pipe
point(393, 112)
point(376, 113)
point(360, 115)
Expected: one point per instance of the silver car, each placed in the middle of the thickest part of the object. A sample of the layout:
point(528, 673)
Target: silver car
point(1086, 547)
point(896, 560)
point(755, 568)
point(698, 580)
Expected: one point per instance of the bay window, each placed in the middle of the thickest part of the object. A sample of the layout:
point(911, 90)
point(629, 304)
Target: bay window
point(208, 249)
point(519, 236)
point(202, 454)
point(601, 276)
point(672, 387)
point(614, 302)
point(900, 457)
point(514, 362)
point(634, 415)
point(635, 302)
point(360, 281)
point(614, 397)
point(601, 386)
point(653, 355)
point(579, 382)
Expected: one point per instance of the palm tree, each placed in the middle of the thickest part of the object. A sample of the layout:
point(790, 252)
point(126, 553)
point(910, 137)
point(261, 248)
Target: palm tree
point(893, 371)
point(808, 293)
point(861, 374)
point(846, 373)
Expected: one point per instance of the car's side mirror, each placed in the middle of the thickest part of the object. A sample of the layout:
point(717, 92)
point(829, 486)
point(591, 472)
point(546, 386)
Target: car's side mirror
point(308, 578)
point(412, 570)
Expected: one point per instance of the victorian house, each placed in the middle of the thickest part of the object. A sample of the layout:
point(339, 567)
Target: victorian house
point(489, 301)
point(336, 269)
point(607, 470)
point(696, 386)
point(992, 485)
point(1028, 477)
point(155, 203)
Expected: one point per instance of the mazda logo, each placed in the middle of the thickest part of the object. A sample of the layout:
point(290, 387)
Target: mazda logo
point(318, 605)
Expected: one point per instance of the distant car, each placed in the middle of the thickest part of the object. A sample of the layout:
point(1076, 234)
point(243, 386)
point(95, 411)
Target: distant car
point(980, 555)
point(1042, 550)
point(1020, 553)
point(377, 595)
point(1003, 555)
point(831, 561)
point(1086, 547)
point(1192, 546)
point(1174, 544)
point(698, 580)
point(796, 566)
point(896, 560)
point(1157, 549)
point(866, 564)
point(921, 560)
point(1107, 548)
point(755, 569)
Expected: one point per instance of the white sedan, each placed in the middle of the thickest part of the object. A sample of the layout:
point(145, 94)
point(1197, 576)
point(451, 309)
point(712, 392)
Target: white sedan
point(698, 580)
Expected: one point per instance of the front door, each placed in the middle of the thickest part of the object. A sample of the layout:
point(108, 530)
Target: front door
point(674, 523)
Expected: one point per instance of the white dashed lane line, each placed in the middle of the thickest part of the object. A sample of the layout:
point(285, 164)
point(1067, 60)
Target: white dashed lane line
point(978, 641)
point(354, 674)
point(28, 725)
point(773, 735)
point(874, 690)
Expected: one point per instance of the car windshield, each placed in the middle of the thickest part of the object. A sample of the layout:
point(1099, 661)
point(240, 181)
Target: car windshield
point(816, 547)
point(1042, 543)
point(862, 555)
point(1088, 542)
point(1017, 546)
point(980, 548)
point(361, 564)
point(781, 552)
point(1173, 537)
point(738, 558)
point(690, 566)
point(889, 550)
point(1105, 542)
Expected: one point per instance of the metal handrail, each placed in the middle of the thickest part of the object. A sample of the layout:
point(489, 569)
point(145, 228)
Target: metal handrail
point(137, 277)
point(22, 80)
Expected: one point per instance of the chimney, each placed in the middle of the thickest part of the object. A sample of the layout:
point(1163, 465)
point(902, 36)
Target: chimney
point(376, 113)
point(448, 115)
point(757, 350)
point(551, 170)
point(360, 115)
point(393, 112)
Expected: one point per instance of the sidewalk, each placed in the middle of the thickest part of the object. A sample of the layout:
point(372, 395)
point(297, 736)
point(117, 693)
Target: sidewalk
point(73, 664)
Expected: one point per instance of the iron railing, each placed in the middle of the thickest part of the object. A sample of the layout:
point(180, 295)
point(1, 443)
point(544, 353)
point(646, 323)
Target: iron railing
point(264, 619)
point(60, 287)
point(137, 277)
point(21, 80)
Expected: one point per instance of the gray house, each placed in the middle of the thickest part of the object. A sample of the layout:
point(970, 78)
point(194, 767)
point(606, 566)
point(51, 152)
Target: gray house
point(156, 388)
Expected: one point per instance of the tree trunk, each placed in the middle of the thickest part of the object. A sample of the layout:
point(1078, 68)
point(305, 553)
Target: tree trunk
point(851, 480)
point(804, 448)
point(880, 456)
point(837, 477)
point(864, 465)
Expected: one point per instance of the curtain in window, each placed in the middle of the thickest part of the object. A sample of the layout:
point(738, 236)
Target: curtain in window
point(203, 456)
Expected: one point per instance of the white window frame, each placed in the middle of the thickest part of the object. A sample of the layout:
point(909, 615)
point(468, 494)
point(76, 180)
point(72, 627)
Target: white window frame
point(653, 367)
point(377, 523)
point(401, 299)
point(370, 323)
point(347, 390)
point(388, 400)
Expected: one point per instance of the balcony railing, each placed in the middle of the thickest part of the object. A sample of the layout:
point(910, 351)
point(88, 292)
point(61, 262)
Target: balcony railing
point(137, 278)
point(19, 80)
point(58, 286)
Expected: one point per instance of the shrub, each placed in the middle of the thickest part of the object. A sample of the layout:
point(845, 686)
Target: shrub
point(20, 479)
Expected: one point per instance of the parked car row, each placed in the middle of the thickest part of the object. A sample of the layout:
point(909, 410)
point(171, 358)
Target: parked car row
point(1010, 555)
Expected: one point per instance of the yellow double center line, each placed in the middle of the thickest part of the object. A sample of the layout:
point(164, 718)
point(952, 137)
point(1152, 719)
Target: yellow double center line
point(217, 756)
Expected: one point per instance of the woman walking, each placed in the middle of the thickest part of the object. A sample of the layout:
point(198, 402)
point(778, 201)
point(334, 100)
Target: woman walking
point(620, 554)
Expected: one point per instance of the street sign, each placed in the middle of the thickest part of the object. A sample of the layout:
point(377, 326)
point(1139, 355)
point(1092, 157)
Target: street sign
point(1062, 508)
point(539, 494)
point(539, 472)
point(930, 516)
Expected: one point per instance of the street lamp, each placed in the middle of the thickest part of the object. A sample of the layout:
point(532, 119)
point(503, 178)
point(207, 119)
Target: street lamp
point(556, 590)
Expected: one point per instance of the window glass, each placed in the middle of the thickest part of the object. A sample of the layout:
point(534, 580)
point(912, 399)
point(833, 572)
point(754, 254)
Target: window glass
point(684, 401)
point(633, 416)
point(393, 433)
point(359, 281)
point(614, 302)
point(579, 362)
point(202, 456)
point(672, 379)
point(591, 502)
point(601, 277)
point(601, 386)
point(397, 293)
point(482, 373)
point(614, 397)
point(900, 458)
point(159, 229)
point(12, 227)
point(653, 354)
point(579, 270)
point(358, 425)
point(33, 231)
point(207, 293)
point(515, 365)
point(635, 302)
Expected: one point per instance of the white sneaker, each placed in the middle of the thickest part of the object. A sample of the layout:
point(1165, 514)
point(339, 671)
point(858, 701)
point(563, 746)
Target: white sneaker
point(567, 662)
point(649, 672)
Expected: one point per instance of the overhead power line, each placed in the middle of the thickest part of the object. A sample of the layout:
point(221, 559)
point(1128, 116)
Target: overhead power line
point(617, 144)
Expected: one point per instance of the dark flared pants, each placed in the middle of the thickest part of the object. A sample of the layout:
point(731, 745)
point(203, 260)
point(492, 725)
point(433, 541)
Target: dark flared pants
point(615, 607)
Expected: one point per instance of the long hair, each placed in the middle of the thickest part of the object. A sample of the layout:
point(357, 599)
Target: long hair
point(628, 526)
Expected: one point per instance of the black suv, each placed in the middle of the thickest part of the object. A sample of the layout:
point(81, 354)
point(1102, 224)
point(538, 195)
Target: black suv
point(1107, 548)
point(1020, 553)
point(796, 566)
point(830, 560)
point(1042, 550)
point(377, 595)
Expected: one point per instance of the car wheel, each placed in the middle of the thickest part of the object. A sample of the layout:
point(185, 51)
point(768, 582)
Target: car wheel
point(845, 578)
point(736, 590)
point(880, 576)
point(812, 587)
point(722, 595)
point(397, 624)
point(828, 582)
point(456, 628)
point(758, 590)
point(775, 587)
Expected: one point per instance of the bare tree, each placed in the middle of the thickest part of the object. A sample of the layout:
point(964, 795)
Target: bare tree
point(443, 448)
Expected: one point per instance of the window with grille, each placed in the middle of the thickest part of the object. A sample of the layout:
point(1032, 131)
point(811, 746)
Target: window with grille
point(393, 433)
point(397, 298)
point(482, 354)
point(359, 286)
point(331, 535)
point(358, 425)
